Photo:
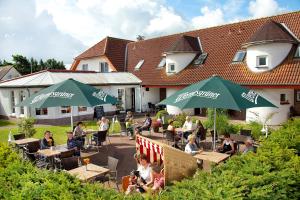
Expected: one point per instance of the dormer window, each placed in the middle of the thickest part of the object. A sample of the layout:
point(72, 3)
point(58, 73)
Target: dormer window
point(262, 61)
point(171, 68)
point(85, 67)
point(162, 63)
point(200, 60)
point(139, 65)
point(297, 54)
point(239, 56)
point(104, 67)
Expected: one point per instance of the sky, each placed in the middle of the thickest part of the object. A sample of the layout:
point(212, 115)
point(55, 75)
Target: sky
point(62, 29)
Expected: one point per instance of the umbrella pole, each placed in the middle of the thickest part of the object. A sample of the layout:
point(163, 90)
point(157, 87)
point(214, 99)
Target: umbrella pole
point(215, 119)
point(71, 117)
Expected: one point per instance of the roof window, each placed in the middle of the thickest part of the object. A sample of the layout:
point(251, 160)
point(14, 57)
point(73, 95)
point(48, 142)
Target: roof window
point(162, 63)
point(201, 58)
point(297, 54)
point(239, 56)
point(262, 61)
point(139, 65)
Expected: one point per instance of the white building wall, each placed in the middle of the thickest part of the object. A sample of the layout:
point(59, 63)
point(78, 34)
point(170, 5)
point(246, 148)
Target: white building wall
point(276, 53)
point(94, 64)
point(174, 110)
point(181, 60)
point(273, 95)
point(54, 112)
point(13, 73)
point(149, 96)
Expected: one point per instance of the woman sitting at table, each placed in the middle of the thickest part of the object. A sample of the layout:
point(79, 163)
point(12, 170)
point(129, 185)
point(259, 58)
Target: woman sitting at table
point(47, 141)
point(146, 124)
point(191, 147)
point(103, 124)
point(227, 145)
point(171, 128)
point(187, 127)
point(79, 134)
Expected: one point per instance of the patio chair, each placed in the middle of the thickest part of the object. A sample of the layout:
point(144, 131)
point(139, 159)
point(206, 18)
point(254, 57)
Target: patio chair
point(245, 132)
point(99, 138)
point(19, 136)
point(69, 163)
point(64, 154)
point(30, 151)
point(112, 164)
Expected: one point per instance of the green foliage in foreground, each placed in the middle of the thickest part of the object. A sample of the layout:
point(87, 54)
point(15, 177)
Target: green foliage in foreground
point(272, 173)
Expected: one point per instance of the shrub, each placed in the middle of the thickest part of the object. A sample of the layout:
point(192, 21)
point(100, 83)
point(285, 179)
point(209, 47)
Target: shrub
point(26, 126)
point(272, 173)
point(180, 118)
point(161, 113)
point(255, 128)
point(177, 124)
point(222, 120)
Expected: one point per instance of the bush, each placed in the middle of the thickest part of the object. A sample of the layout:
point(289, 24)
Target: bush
point(272, 173)
point(177, 124)
point(26, 126)
point(222, 120)
point(180, 118)
point(161, 113)
point(255, 128)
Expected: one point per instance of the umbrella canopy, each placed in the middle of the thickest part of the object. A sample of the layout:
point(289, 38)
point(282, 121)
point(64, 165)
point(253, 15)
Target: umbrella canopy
point(216, 92)
point(68, 93)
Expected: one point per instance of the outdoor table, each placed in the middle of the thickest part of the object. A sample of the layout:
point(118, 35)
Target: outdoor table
point(50, 154)
point(88, 133)
point(211, 157)
point(24, 141)
point(89, 172)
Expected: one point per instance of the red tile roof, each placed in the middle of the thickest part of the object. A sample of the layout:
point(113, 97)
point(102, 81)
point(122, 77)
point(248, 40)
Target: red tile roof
point(271, 31)
point(185, 44)
point(113, 48)
point(221, 43)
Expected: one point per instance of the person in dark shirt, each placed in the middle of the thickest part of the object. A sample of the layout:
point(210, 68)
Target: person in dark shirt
point(73, 144)
point(47, 141)
point(146, 124)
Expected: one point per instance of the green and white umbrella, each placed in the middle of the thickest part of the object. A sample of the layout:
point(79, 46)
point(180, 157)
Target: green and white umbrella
point(68, 93)
point(216, 92)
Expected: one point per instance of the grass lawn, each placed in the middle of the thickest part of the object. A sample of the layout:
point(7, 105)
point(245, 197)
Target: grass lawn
point(6, 122)
point(59, 132)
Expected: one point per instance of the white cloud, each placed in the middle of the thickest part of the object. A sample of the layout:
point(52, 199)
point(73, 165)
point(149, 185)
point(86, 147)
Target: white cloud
point(208, 18)
point(262, 8)
point(24, 32)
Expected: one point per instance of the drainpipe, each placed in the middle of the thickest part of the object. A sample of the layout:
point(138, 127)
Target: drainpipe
point(140, 98)
point(29, 108)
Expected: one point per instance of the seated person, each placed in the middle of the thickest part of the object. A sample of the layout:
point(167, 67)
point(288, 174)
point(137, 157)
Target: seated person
point(129, 127)
point(227, 145)
point(159, 180)
point(73, 144)
point(200, 129)
point(249, 146)
point(146, 124)
point(103, 124)
point(47, 141)
point(144, 176)
point(191, 147)
point(187, 127)
point(171, 128)
point(79, 134)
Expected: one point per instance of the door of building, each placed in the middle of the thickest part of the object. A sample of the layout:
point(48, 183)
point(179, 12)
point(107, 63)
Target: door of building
point(162, 93)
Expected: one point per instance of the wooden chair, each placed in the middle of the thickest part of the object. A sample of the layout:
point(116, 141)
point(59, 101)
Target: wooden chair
point(69, 163)
point(30, 151)
point(19, 136)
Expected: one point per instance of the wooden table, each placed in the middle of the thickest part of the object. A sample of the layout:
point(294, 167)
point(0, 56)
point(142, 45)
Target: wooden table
point(211, 157)
point(89, 173)
point(24, 141)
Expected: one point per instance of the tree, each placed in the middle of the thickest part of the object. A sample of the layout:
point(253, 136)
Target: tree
point(21, 64)
point(4, 63)
point(53, 64)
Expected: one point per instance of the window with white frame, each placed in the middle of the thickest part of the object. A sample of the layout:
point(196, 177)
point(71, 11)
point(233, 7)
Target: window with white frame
point(82, 108)
point(41, 111)
point(12, 100)
point(65, 109)
point(22, 98)
point(139, 65)
point(103, 67)
point(85, 67)
point(171, 67)
point(261, 61)
point(297, 54)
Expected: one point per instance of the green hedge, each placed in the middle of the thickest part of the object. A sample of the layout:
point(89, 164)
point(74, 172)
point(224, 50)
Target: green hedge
point(271, 173)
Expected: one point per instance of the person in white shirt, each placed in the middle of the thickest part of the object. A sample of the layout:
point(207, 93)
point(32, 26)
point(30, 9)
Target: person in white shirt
point(103, 124)
point(187, 127)
point(191, 147)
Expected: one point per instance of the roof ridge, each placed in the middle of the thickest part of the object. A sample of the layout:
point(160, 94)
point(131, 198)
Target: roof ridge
point(218, 26)
point(115, 38)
